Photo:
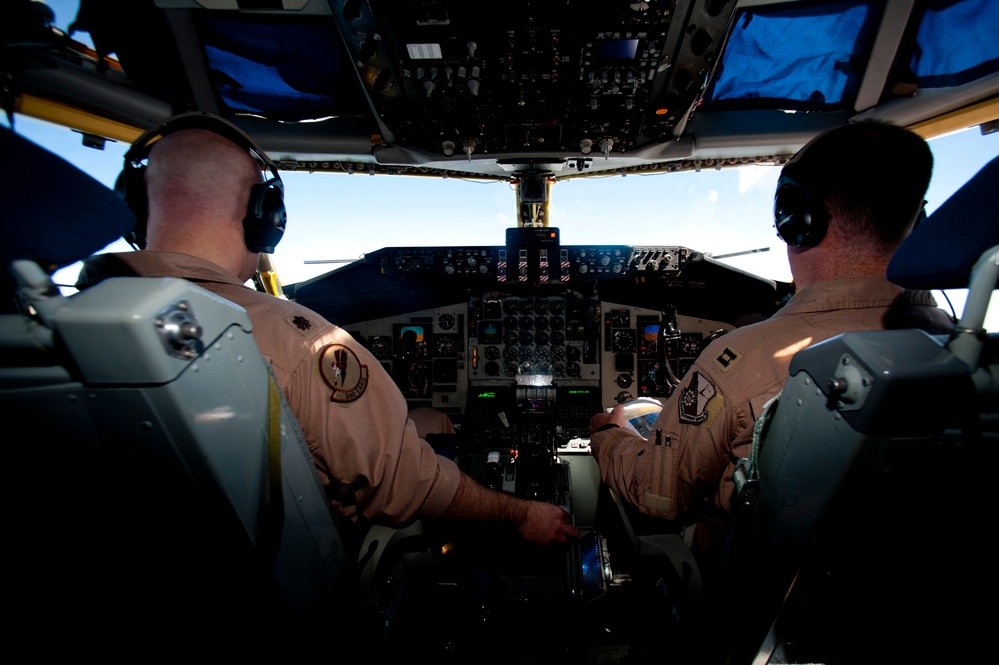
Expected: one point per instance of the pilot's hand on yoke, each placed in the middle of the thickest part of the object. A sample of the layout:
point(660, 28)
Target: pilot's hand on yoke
point(545, 523)
point(602, 421)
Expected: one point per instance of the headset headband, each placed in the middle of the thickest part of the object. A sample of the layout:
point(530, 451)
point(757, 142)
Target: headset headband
point(199, 120)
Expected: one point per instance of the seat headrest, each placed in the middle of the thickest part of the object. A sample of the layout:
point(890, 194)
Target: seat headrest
point(940, 253)
point(59, 214)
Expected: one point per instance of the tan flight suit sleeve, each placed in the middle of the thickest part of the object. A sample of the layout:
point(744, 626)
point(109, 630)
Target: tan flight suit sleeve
point(430, 421)
point(365, 446)
point(668, 481)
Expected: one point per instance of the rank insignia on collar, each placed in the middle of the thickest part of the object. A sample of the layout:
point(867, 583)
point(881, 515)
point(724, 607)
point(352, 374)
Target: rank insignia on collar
point(342, 372)
point(694, 399)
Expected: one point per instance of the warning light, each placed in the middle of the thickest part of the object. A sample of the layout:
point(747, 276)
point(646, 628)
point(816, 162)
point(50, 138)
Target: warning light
point(662, 111)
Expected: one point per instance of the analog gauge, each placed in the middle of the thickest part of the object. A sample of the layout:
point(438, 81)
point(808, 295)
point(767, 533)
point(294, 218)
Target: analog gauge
point(510, 306)
point(558, 370)
point(510, 369)
point(541, 338)
point(509, 322)
point(525, 369)
point(492, 368)
point(380, 346)
point(541, 306)
point(445, 345)
point(556, 322)
point(526, 306)
point(624, 341)
point(689, 344)
point(557, 306)
point(558, 353)
point(526, 338)
point(573, 353)
point(510, 353)
point(541, 322)
point(446, 321)
point(558, 339)
point(573, 369)
point(624, 380)
point(542, 368)
point(620, 318)
point(623, 397)
point(526, 323)
point(509, 338)
point(492, 353)
point(526, 354)
point(542, 354)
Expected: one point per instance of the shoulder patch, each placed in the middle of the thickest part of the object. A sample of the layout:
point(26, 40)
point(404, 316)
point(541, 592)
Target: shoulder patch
point(343, 372)
point(693, 403)
point(727, 358)
point(300, 322)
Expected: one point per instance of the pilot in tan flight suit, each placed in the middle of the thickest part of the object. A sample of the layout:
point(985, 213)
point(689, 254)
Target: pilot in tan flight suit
point(367, 450)
point(842, 217)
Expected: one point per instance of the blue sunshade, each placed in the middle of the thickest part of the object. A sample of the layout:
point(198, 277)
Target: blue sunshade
point(956, 43)
point(797, 57)
point(264, 68)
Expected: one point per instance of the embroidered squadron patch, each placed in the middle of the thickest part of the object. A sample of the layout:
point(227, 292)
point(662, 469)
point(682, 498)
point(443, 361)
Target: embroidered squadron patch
point(343, 372)
point(727, 358)
point(694, 400)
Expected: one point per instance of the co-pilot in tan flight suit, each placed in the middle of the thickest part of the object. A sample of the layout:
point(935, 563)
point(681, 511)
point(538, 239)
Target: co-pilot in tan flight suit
point(708, 420)
point(366, 449)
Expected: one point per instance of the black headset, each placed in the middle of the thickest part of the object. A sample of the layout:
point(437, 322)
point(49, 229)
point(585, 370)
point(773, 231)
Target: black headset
point(266, 216)
point(801, 219)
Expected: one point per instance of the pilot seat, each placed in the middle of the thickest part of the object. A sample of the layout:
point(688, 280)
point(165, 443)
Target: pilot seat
point(865, 503)
point(158, 491)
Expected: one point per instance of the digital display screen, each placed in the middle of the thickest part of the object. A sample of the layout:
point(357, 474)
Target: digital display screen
point(411, 341)
point(412, 332)
point(648, 345)
point(490, 332)
point(618, 49)
point(414, 379)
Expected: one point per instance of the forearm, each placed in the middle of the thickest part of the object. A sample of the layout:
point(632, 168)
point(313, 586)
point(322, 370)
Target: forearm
point(536, 521)
point(475, 502)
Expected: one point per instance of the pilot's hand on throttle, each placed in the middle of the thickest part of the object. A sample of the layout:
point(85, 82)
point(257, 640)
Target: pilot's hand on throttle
point(546, 523)
point(604, 420)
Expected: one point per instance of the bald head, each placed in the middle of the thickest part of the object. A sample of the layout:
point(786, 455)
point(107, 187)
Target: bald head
point(198, 185)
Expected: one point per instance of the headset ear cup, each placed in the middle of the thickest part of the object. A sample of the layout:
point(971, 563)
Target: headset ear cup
point(266, 217)
point(801, 221)
point(131, 187)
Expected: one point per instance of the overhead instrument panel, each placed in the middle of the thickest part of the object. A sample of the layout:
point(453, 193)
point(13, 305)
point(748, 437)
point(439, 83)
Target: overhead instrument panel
point(590, 78)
